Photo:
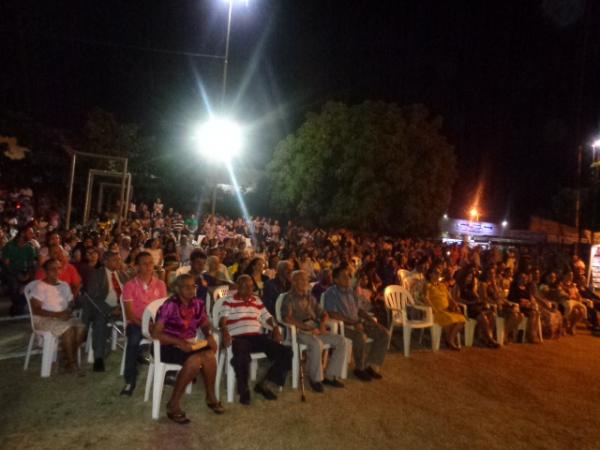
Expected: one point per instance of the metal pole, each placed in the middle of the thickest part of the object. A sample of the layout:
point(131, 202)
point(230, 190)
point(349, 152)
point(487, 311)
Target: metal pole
point(123, 180)
point(100, 198)
point(578, 200)
point(127, 196)
point(88, 194)
point(71, 182)
point(226, 60)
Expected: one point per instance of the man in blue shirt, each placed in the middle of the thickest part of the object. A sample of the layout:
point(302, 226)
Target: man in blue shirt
point(341, 303)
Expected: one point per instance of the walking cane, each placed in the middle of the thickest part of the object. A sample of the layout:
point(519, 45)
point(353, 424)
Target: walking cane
point(302, 359)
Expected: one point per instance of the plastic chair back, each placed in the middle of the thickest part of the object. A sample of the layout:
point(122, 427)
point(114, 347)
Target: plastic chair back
point(395, 298)
point(28, 291)
point(219, 292)
point(150, 315)
point(278, 304)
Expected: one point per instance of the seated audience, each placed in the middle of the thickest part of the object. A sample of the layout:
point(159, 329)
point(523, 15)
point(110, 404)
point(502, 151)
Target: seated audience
point(52, 309)
point(176, 327)
point(242, 318)
point(138, 293)
point(341, 303)
point(300, 309)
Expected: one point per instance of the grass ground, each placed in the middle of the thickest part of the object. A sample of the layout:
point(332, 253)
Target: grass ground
point(520, 397)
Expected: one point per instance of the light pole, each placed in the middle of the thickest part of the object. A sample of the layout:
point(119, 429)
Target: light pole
point(226, 60)
point(220, 140)
point(226, 57)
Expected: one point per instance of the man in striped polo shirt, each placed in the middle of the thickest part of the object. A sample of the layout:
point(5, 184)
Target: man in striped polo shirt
point(241, 321)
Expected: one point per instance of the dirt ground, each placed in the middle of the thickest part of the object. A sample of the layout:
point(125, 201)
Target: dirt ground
point(523, 396)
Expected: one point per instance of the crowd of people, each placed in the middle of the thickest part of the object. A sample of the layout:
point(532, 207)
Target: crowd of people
point(278, 274)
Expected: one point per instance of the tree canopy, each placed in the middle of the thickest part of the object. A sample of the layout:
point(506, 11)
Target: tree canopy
point(374, 166)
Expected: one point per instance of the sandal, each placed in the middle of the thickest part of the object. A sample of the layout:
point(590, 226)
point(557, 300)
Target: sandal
point(216, 407)
point(178, 417)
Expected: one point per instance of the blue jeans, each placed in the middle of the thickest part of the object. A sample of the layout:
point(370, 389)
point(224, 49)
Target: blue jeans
point(134, 337)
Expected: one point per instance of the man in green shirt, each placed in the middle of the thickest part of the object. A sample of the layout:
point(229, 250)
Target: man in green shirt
point(19, 258)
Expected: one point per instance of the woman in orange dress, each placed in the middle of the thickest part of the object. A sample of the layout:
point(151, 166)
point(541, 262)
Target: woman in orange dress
point(438, 297)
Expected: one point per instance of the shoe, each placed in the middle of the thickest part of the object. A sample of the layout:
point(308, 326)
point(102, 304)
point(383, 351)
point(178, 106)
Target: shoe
point(362, 375)
point(99, 365)
point(333, 383)
point(171, 378)
point(267, 393)
point(245, 398)
point(373, 374)
point(316, 386)
point(128, 390)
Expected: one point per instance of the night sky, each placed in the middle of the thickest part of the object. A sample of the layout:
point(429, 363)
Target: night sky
point(517, 82)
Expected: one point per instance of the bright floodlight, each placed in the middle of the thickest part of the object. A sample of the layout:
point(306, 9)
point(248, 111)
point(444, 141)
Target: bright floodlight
point(445, 216)
point(504, 224)
point(596, 143)
point(220, 139)
point(473, 212)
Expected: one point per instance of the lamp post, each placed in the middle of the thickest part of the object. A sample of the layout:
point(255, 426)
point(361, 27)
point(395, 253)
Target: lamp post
point(226, 57)
point(220, 140)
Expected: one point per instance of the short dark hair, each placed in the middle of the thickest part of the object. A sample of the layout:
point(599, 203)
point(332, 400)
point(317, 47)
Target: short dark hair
point(108, 254)
point(197, 254)
point(48, 262)
point(337, 272)
point(141, 255)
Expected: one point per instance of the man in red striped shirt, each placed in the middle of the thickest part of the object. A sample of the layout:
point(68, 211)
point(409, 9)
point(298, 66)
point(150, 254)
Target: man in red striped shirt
point(241, 321)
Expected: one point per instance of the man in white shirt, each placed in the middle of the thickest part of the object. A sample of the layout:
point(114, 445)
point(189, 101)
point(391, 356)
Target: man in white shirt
point(102, 304)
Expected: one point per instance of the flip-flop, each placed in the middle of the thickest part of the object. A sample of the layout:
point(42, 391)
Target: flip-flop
point(216, 407)
point(178, 417)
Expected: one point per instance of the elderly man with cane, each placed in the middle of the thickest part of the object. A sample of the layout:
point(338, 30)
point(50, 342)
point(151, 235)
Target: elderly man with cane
point(102, 303)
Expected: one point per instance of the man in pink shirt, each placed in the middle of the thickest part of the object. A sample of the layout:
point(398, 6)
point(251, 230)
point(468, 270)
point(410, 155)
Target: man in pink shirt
point(140, 291)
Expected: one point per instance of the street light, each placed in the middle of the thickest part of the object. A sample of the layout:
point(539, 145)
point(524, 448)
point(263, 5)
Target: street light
point(221, 140)
point(474, 213)
point(504, 224)
point(226, 58)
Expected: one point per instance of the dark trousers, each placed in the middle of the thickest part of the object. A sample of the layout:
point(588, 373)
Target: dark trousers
point(95, 315)
point(134, 337)
point(243, 346)
point(15, 292)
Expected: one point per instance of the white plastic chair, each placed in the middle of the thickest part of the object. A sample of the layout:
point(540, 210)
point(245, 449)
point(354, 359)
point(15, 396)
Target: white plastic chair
point(338, 327)
point(226, 354)
point(157, 369)
point(218, 293)
point(49, 342)
point(397, 299)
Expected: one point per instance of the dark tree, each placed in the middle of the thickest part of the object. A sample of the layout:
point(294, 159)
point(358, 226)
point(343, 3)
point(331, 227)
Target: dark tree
point(374, 166)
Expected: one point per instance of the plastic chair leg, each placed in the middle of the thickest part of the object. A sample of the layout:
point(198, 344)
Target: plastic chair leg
point(391, 335)
point(500, 327)
point(159, 379)
point(230, 383)
point(29, 349)
point(406, 334)
point(113, 338)
point(122, 371)
point(149, 380)
point(470, 332)
point(253, 369)
point(88, 347)
point(344, 374)
point(48, 351)
point(436, 336)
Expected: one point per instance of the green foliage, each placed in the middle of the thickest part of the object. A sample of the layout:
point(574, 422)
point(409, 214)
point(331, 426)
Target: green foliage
point(374, 166)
